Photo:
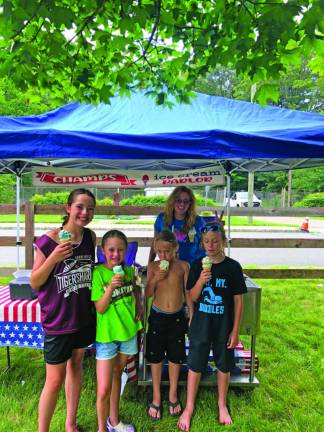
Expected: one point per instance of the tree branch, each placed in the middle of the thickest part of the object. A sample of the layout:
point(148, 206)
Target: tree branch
point(75, 57)
point(247, 9)
point(38, 30)
point(28, 21)
point(86, 22)
point(156, 23)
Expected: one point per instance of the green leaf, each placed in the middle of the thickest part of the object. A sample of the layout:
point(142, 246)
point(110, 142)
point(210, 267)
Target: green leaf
point(266, 93)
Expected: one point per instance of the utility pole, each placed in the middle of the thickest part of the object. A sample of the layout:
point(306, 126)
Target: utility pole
point(289, 188)
point(250, 194)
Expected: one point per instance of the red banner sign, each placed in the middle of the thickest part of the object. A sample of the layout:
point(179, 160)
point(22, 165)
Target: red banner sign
point(133, 179)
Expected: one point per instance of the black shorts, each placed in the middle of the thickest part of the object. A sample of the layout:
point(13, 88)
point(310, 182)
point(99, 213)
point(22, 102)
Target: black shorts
point(199, 353)
point(58, 348)
point(166, 337)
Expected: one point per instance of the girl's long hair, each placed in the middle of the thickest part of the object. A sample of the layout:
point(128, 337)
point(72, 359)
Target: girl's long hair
point(191, 214)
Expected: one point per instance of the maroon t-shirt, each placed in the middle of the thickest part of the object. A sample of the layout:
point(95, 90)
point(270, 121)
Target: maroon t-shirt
point(65, 298)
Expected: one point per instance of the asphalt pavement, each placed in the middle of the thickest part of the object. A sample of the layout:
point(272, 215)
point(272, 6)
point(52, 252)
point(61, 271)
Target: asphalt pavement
point(263, 257)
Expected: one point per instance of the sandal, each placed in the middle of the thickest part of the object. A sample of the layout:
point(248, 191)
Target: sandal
point(173, 405)
point(158, 410)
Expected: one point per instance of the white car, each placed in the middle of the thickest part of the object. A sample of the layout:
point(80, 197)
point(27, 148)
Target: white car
point(240, 199)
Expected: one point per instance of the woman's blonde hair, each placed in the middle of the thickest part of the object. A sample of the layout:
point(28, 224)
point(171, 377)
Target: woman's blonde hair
point(191, 214)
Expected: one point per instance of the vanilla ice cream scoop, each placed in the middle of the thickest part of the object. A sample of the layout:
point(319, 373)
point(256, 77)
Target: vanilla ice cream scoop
point(118, 270)
point(64, 236)
point(206, 263)
point(164, 265)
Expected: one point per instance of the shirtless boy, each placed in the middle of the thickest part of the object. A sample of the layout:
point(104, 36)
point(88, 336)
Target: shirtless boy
point(166, 280)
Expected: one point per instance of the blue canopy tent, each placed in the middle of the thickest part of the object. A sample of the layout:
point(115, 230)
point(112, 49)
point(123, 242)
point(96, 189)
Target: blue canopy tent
point(135, 133)
point(136, 128)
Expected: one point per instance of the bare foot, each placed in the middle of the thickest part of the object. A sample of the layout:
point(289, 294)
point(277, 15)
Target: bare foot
point(185, 420)
point(224, 418)
point(71, 429)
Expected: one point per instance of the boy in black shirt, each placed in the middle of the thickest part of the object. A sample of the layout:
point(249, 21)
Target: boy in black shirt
point(217, 291)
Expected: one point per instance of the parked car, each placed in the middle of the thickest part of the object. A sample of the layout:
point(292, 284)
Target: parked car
point(240, 199)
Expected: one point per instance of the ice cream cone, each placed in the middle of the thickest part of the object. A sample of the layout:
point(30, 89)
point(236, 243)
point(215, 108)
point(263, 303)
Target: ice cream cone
point(118, 270)
point(164, 265)
point(206, 263)
point(64, 236)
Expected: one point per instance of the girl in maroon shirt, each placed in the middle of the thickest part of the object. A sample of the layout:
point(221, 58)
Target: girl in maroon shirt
point(62, 274)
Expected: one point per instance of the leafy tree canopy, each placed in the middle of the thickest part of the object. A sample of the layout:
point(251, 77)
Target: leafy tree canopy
point(298, 87)
point(7, 188)
point(14, 102)
point(88, 50)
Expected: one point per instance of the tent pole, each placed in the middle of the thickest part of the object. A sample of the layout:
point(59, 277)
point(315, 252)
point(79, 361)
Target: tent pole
point(18, 242)
point(228, 212)
point(250, 194)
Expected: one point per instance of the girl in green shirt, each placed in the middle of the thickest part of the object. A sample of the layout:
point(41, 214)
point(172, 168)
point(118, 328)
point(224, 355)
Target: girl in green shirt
point(117, 302)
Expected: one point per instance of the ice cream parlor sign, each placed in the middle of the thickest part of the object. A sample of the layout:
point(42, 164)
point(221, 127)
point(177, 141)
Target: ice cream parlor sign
point(56, 177)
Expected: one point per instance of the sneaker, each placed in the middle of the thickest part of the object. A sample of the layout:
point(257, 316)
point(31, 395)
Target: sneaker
point(121, 427)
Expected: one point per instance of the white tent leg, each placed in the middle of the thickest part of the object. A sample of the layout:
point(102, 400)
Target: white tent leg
point(228, 213)
point(18, 242)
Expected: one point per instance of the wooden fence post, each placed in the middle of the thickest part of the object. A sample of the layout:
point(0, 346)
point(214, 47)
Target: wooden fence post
point(29, 234)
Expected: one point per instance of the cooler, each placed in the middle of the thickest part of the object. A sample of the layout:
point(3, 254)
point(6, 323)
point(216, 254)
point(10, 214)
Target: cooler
point(250, 325)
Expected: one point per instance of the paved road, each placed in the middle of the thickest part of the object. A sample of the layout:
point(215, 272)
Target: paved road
point(246, 256)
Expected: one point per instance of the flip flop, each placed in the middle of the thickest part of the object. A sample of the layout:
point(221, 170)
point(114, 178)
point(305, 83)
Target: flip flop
point(158, 410)
point(174, 405)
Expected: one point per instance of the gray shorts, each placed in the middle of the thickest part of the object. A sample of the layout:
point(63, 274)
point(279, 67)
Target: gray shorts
point(199, 353)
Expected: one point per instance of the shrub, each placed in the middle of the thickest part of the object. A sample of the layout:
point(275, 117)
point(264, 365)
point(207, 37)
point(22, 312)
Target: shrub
point(311, 200)
point(142, 200)
point(51, 198)
point(160, 200)
point(105, 201)
point(200, 200)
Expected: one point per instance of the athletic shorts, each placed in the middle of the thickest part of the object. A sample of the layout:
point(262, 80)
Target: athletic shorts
point(109, 350)
point(166, 337)
point(58, 349)
point(199, 353)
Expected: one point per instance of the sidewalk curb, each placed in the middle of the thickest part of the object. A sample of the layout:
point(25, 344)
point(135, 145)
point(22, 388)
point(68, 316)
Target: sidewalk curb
point(150, 228)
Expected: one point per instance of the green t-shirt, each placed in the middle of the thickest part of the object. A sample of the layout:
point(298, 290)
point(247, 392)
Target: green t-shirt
point(117, 323)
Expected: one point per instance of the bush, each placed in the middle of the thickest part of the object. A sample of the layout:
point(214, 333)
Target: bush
point(135, 200)
point(7, 188)
point(160, 200)
point(51, 198)
point(142, 200)
point(311, 200)
point(200, 200)
point(105, 201)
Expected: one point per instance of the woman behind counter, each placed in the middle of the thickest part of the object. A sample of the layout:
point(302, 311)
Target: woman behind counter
point(181, 218)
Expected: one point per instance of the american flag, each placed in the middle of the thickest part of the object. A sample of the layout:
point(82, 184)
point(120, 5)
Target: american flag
point(20, 326)
point(18, 310)
point(26, 335)
point(19, 322)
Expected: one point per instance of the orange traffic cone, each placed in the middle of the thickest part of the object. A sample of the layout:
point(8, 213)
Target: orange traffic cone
point(305, 224)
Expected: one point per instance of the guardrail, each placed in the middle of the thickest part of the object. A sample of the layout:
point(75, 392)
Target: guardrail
point(30, 210)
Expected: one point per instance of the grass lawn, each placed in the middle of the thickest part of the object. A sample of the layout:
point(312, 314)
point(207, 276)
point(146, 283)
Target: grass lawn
point(57, 219)
point(289, 398)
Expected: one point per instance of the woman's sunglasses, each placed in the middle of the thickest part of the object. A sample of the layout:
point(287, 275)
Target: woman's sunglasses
point(180, 201)
point(215, 227)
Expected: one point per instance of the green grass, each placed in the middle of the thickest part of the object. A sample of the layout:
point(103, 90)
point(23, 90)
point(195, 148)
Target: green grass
point(289, 398)
point(38, 218)
point(57, 219)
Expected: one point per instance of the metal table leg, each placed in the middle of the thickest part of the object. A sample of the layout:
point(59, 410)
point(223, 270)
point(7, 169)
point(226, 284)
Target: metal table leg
point(252, 370)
